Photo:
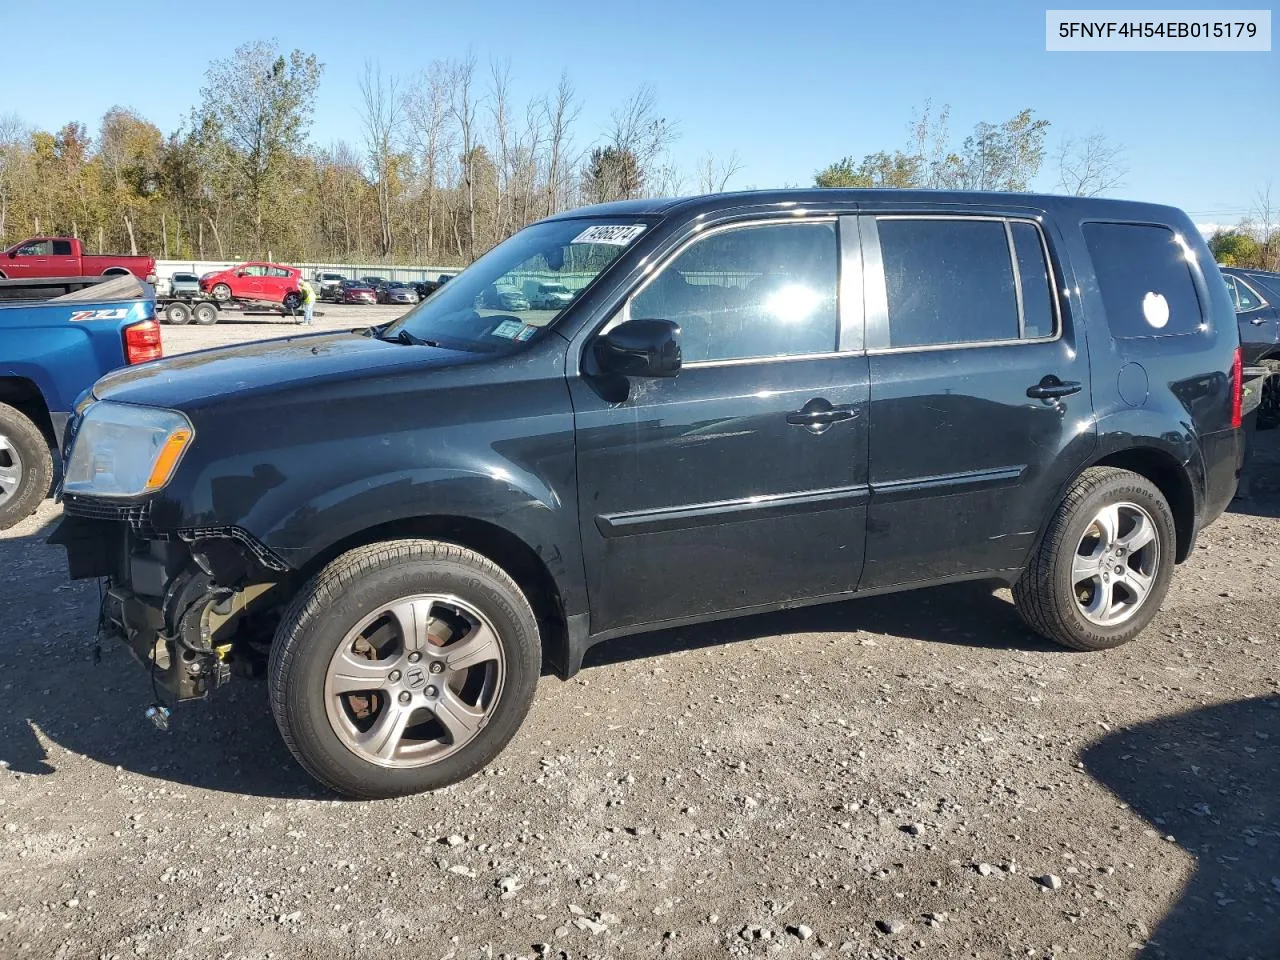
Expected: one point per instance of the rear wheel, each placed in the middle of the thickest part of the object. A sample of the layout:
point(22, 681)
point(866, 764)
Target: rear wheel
point(205, 314)
point(1105, 564)
point(26, 468)
point(292, 301)
point(177, 313)
point(402, 667)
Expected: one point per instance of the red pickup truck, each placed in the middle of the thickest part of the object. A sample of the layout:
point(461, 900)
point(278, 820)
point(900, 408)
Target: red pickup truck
point(65, 257)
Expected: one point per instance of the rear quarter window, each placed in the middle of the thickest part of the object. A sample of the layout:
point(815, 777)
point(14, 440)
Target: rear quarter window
point(1145, 281)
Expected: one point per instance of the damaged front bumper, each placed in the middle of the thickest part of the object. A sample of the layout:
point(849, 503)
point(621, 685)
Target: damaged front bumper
point(190, 605)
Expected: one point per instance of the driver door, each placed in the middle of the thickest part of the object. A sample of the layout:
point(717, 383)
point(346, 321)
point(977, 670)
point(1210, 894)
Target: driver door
point(742, 482)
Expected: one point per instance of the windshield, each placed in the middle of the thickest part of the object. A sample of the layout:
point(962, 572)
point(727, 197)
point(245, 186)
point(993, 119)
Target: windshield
point(487, 307)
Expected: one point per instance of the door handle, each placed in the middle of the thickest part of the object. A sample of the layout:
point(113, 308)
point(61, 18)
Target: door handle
point(1258, 321)
point(1051, 388)
point(818, 415)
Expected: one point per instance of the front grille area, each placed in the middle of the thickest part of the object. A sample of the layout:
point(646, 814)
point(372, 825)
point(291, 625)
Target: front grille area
point(136, 515)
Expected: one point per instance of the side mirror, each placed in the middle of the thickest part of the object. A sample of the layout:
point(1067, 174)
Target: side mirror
point(640, 348)
point(240, 273)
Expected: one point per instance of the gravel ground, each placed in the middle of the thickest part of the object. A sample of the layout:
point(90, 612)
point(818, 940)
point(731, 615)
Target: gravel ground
point(912, 776)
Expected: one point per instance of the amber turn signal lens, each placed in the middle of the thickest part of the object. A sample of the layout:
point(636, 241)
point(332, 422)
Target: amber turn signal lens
point(170, 453)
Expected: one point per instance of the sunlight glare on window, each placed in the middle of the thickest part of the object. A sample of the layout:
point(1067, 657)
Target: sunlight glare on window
point(792, 303)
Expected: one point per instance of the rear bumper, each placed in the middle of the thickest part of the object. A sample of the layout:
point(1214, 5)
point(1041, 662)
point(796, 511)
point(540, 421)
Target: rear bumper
point(1224, 456)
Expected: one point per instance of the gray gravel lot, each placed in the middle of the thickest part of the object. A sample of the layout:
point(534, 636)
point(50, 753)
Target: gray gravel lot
point(912, 776)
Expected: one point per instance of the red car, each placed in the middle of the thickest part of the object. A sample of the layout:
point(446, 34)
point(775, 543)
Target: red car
point(353, 291)
point(266, 282)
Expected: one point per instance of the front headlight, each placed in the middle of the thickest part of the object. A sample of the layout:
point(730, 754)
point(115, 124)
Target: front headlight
point(124, 451)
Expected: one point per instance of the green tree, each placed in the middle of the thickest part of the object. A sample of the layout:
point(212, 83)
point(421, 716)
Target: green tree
point(995, 156)
point(612, 173)
point(260, 102)
point(842, 173)
point(1232, 248)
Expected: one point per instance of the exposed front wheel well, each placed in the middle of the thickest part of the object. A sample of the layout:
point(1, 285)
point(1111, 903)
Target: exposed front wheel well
point(1170, 477)
point(504, 548)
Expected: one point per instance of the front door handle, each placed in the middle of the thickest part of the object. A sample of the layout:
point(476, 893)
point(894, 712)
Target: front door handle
point(1258, 321)
point(1051, 388)
point(818, 415)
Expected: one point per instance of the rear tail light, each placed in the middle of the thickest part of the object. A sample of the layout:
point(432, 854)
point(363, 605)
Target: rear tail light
point(1237, 389)
point(142, 342)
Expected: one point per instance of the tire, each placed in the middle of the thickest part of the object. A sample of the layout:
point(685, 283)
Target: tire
point(26, 467)
point(292, 301)
point(221, 292)
point(326, 616)
point(177, 313)
point(1048, 595)
point(205, 314)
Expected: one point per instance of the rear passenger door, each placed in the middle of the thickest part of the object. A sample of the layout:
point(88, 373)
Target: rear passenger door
point(980, 396)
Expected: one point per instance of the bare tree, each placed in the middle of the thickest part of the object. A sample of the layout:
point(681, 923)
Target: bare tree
point(462, 109)
point(638, 131)
point(426, 106)
point(1265, 221)
point(560, 112)
point(382, 115)
point(1090, 166)
point(500, 117)
point(929, 143)
point(714, 175)
point(14, 161)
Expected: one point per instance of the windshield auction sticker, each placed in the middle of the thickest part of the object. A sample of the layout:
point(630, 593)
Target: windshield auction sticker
point(1168, 31)
point(616, 235)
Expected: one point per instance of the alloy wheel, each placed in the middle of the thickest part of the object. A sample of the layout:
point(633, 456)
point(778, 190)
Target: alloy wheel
point(414, 681)
point(1115, 564)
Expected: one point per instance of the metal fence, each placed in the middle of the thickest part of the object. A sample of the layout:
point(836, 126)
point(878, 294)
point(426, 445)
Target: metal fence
point(167, 268)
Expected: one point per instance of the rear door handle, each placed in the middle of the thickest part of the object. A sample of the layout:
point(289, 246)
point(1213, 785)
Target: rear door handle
point(1051, 388)
point(818, 415)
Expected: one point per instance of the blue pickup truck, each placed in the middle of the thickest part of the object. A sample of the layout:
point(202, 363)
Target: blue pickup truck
point(57, 338)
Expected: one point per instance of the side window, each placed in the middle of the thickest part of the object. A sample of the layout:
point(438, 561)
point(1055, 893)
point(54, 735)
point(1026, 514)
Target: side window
point(255, 270)
point(40, 248)
point(1246, 299)
point(1034, 280)
point(278, 272)
point(948, 281)
point(1145, 282)
point(767, 290)
point(62, 248)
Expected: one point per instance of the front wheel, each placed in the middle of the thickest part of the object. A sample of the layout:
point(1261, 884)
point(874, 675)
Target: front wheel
point(403, 666)
point(221, 292)
point(1104, 566)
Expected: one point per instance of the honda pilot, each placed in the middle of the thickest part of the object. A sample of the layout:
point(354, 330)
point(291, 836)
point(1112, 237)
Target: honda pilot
point(755, 401)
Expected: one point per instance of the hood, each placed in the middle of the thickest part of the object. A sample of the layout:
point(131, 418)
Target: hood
point(193, 380)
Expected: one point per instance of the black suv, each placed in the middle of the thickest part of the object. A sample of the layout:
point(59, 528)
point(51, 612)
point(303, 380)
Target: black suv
point(756, 401)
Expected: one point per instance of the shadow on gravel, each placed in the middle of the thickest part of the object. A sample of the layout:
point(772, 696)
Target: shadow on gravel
point(1211, 778)
point(967, 614)
point(51, 688)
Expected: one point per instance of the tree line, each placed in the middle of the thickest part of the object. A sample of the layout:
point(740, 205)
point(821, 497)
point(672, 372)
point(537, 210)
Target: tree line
point(446, 164)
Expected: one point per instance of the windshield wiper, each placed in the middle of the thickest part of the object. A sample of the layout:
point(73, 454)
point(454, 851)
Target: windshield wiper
point(404, 336)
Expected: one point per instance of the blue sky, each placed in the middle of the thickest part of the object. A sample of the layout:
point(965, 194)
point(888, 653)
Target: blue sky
point(791, 86)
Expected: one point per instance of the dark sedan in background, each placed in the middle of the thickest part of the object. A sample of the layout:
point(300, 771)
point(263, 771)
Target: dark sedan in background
point(354, 291)
point(393, 291)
